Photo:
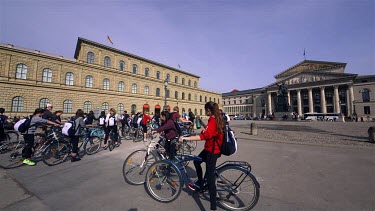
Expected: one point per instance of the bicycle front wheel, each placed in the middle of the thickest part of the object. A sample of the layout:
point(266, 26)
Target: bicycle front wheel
point(92, 145)
point(12, 136)
point(56, 153)
point(136, 165)
point(11, 155)
point(163, 181)
point(237, 188)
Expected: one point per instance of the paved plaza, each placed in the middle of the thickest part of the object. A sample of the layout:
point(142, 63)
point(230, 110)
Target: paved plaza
point(300, 166)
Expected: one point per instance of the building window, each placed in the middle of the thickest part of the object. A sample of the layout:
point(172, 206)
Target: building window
point(195, 84)
point(157, 92)
point(87, 106)
point(146, 90)
point(134, 88)
point(176, 79)
point(365, 95)
point(147, 72)
point(183, 81)
point(122, 65)
point(168, 77)
point(176, 95)
point(167, 93)
point(189, 96)
point(106, 84)
point(157, 75)
point(200, 112)
point(89, 81)
point(67, 106)
point(189, 82)
point(367, 109)
point(135, 69)
point(134, 109)
point(200, 98)
point(183, 96)
point(121, 86)
point(43, 102)
point(120, 108)
point(215, 100)
point(105, 107)
point(69, 79)
point(90, 57)
point(205, 99)
point(21, 71)
point(107, 61)
point(17, 104)
point(47, 75)
point(195, 98)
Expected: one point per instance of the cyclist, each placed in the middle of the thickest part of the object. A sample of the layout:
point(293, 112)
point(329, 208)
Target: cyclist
point(169, 130)
point(90, 118)
point(213, 134)
point(56, 116)
point(111, 125)
point(28, 136)
point(145, 119)
point(3, 120)
point(74, 139)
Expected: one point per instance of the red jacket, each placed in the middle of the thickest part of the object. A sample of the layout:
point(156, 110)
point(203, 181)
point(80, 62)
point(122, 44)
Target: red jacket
point(209, 134)
point(145, 119)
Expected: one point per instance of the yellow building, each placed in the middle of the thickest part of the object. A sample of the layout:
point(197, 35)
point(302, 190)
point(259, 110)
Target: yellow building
point(98, 78)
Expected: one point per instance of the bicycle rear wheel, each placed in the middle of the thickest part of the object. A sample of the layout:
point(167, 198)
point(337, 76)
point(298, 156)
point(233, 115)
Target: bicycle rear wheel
point(237, 188)
point(136, 165)
point(11, 136)
point(11, 155)
point(92, 145)
point(56, 153)
point(163, 181)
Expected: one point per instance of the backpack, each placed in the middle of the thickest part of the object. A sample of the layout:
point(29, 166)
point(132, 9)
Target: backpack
point(178, 128)
point(69, 128)
point(101, 121)
point(135, 120)
point(191, 115)
point(23, 125)
point(229, 145)
point(112, 120)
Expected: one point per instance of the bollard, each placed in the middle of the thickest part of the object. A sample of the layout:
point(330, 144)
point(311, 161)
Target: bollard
point(253, 129)
point(371, 134)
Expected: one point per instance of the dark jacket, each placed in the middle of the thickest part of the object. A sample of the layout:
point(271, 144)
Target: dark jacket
point(169, 129)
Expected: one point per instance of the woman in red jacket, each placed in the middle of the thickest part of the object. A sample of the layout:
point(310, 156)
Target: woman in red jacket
point(213, 134)
point(145, 119)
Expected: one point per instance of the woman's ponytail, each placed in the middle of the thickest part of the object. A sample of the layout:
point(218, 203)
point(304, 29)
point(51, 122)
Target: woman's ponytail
point(214, 108)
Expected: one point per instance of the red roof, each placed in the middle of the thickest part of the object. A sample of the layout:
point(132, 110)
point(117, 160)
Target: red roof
point(234, 90)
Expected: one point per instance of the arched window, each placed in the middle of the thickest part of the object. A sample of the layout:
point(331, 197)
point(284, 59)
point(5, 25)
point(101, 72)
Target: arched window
point(183, 81)
point(107, 61)
point(168, 77)
point(121, 86)
point(195, 98)
point(87, 106)
point(43, 102)
point(157, 74)
point(120, 108)
point(47, 75)
point(106, 84)
point(210, 98)
point(90, 57)
point(89, 81)
point(134, 109)
point(195, 84)
point(17, 104)
point(157, 92)
point(183, 96)
point(69, 79)
point(189, 82)
point(147, 71)
point(134, 88)
point(205, 99)
point(105, 107)
point(365, 95)
point(176, 95)
point(135, 69)
point(200, 98)
point(67, 106)
point(218, 101)
point(122, 65)
point(189, 96)
point(21, 71)
point(146, 90)
point(176, 79)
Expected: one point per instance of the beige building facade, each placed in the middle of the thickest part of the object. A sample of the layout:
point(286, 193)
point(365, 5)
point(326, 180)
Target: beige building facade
point(313, 87)
point(98, 78)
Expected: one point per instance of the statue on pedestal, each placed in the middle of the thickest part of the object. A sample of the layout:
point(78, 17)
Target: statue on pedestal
point(282, 99)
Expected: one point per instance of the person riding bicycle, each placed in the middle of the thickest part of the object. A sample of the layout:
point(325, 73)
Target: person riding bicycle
point(80, 123)
point(170, 132)
point(28, 136)
point(145, 119)
point(213, 134)
point(3, 121)
point(111, 126)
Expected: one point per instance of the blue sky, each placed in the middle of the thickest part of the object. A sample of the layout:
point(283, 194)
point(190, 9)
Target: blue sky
point(230, 44)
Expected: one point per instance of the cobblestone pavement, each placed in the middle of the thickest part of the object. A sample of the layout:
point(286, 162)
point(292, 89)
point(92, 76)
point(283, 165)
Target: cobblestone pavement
point(326, 133)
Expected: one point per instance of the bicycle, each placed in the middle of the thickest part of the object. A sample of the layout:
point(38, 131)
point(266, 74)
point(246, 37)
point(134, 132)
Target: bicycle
point(111, 142)
point(237, 187)
point(10, 136)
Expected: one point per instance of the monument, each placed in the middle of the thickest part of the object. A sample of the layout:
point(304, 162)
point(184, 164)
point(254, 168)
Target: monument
point(282, 104)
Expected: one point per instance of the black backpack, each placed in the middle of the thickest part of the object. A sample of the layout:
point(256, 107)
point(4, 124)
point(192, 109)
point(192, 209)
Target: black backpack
point(135, 120)
point(178, 128)
point(229, 145)
point(191, 115)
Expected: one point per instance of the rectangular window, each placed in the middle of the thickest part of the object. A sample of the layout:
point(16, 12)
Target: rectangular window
point(367, 110)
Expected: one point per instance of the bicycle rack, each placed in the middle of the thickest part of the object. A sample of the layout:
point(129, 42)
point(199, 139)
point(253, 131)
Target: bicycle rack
point(236, 163)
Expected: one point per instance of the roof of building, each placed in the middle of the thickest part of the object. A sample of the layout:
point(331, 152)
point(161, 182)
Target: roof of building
point(81, 40)
point(243, 92)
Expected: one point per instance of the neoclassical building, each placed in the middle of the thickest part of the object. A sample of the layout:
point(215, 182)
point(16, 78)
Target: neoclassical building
point(98, 78)
point(313, 86)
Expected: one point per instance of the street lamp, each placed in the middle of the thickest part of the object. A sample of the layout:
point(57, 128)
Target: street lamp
point(165, 94)
point(177, 102)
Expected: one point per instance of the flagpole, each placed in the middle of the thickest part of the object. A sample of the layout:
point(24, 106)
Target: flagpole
point(304, 54)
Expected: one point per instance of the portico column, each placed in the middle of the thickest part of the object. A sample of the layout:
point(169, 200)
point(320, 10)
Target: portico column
point(269, 103)
point(323, 100)
point(288, 98)
point(348, 103)
point(311, 104)
point(254, 106)
point(337, 99)
point(299, 103)
point(351, 94)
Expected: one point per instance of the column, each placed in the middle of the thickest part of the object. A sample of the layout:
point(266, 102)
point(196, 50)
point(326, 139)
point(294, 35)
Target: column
point(254, 106)
point(348, 103)
point(311, 103)
point(351, 94)
point(323, 104)
point(336, 99)
point(269, 103)
point(299, 103)
point(289, 104)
